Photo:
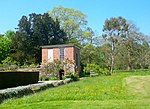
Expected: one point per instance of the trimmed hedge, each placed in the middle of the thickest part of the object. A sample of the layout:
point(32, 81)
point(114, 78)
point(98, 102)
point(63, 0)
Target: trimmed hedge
point(13, 79)
point(29, 89)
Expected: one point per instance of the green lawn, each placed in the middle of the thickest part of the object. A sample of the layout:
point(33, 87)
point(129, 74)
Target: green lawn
point(122, 90)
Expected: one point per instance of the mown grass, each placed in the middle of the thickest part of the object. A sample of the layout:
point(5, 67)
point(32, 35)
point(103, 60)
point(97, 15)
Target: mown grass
point(104, 92)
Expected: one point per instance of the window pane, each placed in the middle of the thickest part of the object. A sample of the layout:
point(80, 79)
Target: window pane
point(61, 53)
point(76, 59)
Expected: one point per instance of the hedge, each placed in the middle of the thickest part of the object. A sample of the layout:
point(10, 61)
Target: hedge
point(29, 89)
point(13, 79)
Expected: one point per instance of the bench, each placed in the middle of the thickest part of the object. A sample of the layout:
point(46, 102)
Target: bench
point(92, 74)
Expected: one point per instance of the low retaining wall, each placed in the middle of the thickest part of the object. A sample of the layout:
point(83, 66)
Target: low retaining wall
point(13, 79)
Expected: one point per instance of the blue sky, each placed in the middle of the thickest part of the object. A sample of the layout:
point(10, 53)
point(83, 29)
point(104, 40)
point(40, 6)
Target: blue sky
point(97, 11)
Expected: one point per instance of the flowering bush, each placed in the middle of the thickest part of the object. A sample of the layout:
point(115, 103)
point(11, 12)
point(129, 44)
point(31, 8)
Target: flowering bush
point(51, 69)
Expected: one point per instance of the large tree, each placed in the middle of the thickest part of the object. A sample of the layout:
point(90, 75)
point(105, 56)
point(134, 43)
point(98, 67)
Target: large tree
point(131, 43)
point(143, 53)
point(113, 29)
point(33, 32)
point(72, 21)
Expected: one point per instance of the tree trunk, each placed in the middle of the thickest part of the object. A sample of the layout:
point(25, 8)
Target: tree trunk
point(129, 60)
point(112, 58)
point(129, 67)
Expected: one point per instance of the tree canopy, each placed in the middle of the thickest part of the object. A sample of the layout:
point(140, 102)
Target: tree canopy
point(113, 29)
point(4, 47)
point(33, 32)
point(121, 46)
point(72, 21)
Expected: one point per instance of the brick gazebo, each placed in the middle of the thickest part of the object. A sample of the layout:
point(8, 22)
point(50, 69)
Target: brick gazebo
point(62, 52)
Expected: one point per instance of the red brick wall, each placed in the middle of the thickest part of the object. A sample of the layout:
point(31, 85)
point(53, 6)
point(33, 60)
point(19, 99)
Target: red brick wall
point(69, 53)
point(76, 50)
point(44, 55)
point(56, 53)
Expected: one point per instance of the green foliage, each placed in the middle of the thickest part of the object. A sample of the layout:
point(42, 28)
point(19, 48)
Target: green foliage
point(43, 78)
point(72, 21)
point(113, 29)
point(9, 61)
point(47, 77)
point(52, 68)
point(33, 32)
point(87, 54)
point(82, 74)
point(90, 37)
point(74, 77)
point(131, 53)
point(10, 34)
point(4, 47)
point(96, 55)
point(124, 46)
point(99, 55)
point(97, 69)
point(105, 55)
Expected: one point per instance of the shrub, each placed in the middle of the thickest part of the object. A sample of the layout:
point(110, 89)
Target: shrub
point(47, 77)
point(9, 61)
point(52, 68)
point(74, 77)
point(53, 78)
point(68, 74)
point(43, 78)
point(82, 74)
point(105, 71)
point(96, 68)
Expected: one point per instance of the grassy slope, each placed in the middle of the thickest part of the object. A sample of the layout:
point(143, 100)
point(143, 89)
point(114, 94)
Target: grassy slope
point(97, 92)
